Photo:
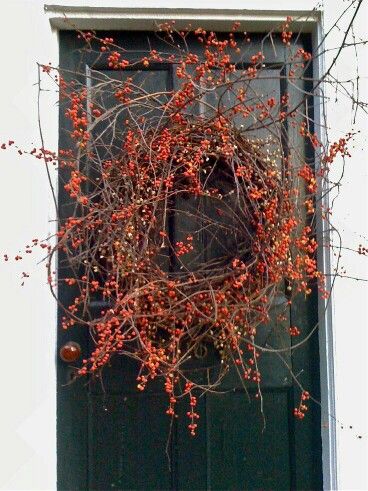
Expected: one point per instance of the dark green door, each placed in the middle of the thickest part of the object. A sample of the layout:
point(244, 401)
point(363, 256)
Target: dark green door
point(112, 437)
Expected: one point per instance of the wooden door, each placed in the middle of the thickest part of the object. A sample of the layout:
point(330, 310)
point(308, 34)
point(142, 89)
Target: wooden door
point(112, 437)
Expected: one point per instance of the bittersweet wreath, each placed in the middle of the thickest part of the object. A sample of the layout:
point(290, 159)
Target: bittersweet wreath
point(187, 223)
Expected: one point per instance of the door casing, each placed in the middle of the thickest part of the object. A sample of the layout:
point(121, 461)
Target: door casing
point(221, 20)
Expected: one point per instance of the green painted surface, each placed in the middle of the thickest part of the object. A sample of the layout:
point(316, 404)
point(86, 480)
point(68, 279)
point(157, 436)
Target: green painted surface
point(119, 439)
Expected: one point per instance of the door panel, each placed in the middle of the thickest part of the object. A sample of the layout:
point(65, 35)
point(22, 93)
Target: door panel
point(127, 441)
point(244, 452)
point(112, 437)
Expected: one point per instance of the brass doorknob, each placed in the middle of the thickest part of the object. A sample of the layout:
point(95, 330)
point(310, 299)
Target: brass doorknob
point(70, 352)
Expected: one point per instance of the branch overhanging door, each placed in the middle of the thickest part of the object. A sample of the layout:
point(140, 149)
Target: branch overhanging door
point(112, 437)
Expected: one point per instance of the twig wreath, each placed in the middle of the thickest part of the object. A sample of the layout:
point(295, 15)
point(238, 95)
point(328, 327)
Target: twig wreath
point(186, 224)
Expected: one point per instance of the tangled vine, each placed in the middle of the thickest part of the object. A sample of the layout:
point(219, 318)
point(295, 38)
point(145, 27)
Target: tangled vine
point(193, 211)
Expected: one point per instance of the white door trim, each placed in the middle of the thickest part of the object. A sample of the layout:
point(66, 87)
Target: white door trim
point(135, 18)
point(310, 21)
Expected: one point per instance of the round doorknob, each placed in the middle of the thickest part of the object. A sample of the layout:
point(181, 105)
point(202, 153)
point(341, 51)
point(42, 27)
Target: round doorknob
point(70, 352)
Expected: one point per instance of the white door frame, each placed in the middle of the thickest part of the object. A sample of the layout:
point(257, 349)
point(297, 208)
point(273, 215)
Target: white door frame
point(310, 21)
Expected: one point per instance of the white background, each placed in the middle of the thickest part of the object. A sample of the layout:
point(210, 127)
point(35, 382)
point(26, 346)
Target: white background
point(28, 320)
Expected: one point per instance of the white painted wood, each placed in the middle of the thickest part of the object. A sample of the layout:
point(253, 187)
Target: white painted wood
point(148, 18)
point(325, 314)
